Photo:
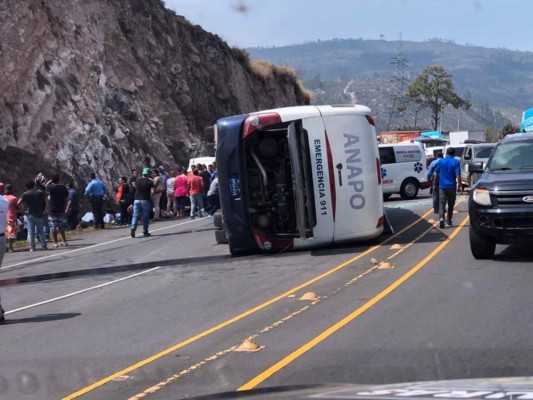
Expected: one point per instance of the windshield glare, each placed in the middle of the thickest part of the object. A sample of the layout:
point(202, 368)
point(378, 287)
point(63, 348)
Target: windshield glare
point(512, 156)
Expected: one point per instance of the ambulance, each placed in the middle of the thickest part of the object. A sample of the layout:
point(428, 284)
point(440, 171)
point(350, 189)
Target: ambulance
point(403, 169)
point(299, 177)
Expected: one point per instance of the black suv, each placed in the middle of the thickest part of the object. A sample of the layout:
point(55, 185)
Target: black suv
point(501, 202)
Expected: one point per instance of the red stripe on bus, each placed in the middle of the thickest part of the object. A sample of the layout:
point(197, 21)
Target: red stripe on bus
point(331, 177)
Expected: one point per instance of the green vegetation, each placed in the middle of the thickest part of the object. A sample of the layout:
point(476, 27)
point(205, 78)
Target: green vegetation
point(433, 89)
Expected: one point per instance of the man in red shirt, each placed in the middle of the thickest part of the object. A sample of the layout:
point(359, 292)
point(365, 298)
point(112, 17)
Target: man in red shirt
point(196, 193)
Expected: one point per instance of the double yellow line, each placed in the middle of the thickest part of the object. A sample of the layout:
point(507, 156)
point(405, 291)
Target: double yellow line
point(350, 317)
point(237, 318)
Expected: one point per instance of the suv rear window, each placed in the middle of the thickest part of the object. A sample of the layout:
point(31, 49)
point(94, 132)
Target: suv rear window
point(483, 152)
point(512, 155)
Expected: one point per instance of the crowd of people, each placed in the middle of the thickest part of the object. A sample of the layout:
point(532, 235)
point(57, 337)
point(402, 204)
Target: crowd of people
point(48, 208)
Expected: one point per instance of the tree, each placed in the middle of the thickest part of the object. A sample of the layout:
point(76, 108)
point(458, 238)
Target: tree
point(433, 89)
point(492, 135)
point(508, 129)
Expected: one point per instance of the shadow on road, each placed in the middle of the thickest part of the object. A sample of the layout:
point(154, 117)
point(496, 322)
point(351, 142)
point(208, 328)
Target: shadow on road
point(41, 318)
point(115, 269)
point(515, 253)
point(399, 219)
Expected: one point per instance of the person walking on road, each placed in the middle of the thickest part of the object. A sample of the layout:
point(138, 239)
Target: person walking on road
point(56, 209)
point(196, 193)
point(144, 189)
point(432, 177)
point(35, 202)
point(450, 183)
point(3, 224)
point(96, 191)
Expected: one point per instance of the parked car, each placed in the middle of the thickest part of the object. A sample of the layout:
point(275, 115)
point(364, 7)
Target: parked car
point(403, 169)
point(474, 153)
point(500, 205)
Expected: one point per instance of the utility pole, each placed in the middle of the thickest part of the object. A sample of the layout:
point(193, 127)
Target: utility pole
point(399, 82)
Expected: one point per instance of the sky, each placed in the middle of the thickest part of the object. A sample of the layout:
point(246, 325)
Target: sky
point(266, 23)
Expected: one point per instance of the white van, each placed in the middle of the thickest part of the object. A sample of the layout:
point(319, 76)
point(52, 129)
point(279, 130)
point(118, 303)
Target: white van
point(200, 160)
point(299, 177)
point(403, 169)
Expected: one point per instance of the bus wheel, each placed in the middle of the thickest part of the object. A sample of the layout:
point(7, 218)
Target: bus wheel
point(409, 189)
point(221, 236)
point(217, 220)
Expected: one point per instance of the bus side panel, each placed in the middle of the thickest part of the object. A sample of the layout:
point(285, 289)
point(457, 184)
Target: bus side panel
point(323, 230)
point(230, 166)
point(359, 197)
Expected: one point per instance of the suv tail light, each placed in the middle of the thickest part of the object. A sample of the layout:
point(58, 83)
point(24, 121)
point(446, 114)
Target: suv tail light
point(259, 121)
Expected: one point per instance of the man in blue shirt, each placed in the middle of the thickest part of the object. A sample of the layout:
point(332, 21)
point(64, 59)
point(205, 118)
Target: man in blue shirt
point(96, 191)
point(432, 177)
point(449, 172)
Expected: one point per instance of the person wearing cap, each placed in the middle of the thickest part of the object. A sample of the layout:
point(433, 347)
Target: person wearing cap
point(450, 183)
point(144, 190)
point(3, 224)
point(96, 191)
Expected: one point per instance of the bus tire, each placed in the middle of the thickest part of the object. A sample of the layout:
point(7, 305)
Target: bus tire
point(409, 189)
point(217, 220)
point(221, 236)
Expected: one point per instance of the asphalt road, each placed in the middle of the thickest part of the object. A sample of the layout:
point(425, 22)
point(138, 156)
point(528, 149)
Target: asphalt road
point(111, 317)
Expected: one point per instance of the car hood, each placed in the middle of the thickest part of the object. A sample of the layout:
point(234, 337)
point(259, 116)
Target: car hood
point(516, 388)
point(507, 180)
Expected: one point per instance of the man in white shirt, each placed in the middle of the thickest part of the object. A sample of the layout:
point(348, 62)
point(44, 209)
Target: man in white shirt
point(3, 224)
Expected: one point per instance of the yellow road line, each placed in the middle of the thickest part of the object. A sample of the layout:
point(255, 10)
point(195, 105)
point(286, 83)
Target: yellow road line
point(334, 328)
point(158, 386)
point(237, 318)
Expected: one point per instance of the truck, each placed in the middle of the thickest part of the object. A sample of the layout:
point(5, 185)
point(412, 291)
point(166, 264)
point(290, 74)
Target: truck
point(462, 137)
point(298, 177)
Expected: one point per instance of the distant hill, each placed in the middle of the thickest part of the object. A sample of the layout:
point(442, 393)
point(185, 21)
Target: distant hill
point(498, 79)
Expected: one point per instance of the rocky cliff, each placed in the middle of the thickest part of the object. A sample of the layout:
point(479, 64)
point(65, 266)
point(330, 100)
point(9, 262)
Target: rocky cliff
point(98, 85)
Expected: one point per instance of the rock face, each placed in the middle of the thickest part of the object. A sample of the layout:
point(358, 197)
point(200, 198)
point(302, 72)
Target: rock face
point(98, 85)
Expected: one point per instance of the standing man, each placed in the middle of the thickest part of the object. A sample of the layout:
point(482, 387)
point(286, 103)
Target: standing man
point(432, 177)
point(73, 206)
point(196, 193)
point(214, 199)
point(96, 191)
point(206, 176)
point(35, 202)
point(450, 183)
point(57, 208)
point(144, 189)
point(3, 225)
point(133, 177)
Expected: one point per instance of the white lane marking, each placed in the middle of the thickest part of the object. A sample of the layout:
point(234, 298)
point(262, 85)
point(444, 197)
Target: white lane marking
point(80, 291)
point(87, 248)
